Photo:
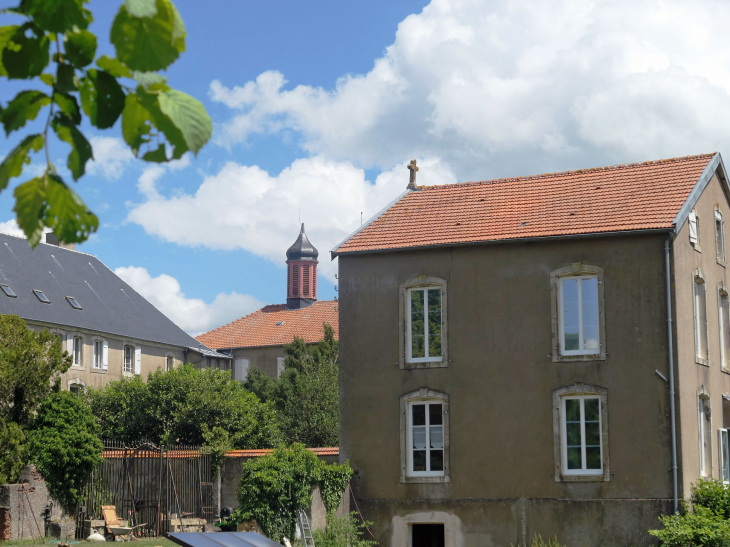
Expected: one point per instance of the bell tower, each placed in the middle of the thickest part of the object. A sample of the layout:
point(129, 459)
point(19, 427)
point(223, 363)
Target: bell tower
point(301, 275)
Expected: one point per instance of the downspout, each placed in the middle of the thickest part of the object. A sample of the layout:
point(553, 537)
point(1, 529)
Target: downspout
point(670, 342)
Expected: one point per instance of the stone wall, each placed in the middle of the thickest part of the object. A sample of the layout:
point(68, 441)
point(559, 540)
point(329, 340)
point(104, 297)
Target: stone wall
point(23, 507)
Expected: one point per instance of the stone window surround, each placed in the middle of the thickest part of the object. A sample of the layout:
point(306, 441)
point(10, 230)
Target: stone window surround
point(401, 526)
point(71, 336)
point(422, 280)
point(722, 292)
point(577, 269)
point(168, 355)
point(697, 275)
point(92, 368)
point(134, 347)
point(580, 389)
point(721, 260)
point(703, 394)
point(72, 381)
point(423, 394)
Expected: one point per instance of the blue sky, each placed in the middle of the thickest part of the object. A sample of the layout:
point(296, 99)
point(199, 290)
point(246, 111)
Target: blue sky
point(319, 105)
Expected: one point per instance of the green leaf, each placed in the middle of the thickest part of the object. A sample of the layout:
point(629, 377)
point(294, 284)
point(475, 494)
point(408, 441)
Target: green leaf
point(48, 79)
point(80, 147)
point(5, 34)
point(136, 122)
point(148, 43)
point(158, 155)
point(102, 98)
point(26, 56)
point(29, 208)
point(141, 8)
point(148, 78)
point(189, 116)
point(80, 48)
point(68, 105)
point(48, 201)
point(57, 15)
point(113, 66)
point(12, 165)
point(65, 78)
point(23, 108)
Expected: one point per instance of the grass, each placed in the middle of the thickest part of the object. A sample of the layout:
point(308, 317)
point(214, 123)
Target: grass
point(142, 542)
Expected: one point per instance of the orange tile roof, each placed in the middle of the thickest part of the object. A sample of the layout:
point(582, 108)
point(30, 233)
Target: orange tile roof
point(260, 327)
point(256, 453)
point(637, 196)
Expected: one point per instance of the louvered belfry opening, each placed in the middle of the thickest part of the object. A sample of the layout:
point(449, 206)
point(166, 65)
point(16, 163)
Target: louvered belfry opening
point(301, 260)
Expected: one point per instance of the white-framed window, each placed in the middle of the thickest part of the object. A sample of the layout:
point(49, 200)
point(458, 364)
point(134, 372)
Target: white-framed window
point(581, 435)
point(128, 358)
point(694, 229)
point(699, 295)
point(578, 320)
point(580, 428)
point(724, 445)
point(76, 389)
point(425, 437)
point(578, 315)
point(723, 308)
point(169, 362)
point(280, 367)
point(423, 323)
point(720, 236)
point(78, 350)
point(704, 415)
point(98, 354)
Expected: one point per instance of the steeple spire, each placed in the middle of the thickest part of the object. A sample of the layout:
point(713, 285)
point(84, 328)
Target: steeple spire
point(301, 261)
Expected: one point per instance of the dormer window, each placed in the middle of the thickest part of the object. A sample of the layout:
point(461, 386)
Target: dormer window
point(8, 291)
point(42, 297)
point(75, 305)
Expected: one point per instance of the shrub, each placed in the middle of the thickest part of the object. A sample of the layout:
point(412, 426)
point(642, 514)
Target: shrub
point(274, 487)
point(712, 494)
point(344, 531)
point(13, 452)
point(64, 444)
point(701, 526)
point(537, 541)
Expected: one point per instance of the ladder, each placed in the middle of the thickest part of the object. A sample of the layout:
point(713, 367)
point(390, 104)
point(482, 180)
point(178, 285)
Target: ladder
point(305, 529)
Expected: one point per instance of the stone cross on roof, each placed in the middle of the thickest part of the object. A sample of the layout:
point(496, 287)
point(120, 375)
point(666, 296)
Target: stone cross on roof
point(412, 168)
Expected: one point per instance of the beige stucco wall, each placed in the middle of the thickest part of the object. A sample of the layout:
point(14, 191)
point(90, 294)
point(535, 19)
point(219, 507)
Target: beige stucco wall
point(500, 380)
point(153, 357)
point(693, 377)
point(264, 358)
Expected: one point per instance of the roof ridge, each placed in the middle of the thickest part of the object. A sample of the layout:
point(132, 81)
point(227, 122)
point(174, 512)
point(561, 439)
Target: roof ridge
point(570, 172)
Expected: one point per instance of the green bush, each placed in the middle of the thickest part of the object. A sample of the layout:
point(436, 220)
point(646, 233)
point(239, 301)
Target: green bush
point(344, 531)
point(712, 494)
point(13, 452)
point(64, 444)
point(274, 487)
point(699, 527)
point(537, 541)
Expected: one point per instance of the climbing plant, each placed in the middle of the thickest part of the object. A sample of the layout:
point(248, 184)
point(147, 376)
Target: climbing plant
point(52, 46)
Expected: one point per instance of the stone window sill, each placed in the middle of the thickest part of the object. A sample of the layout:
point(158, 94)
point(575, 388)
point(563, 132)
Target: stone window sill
point(425, 480)
point(583, 478)
point(557, 358)
point(697, 248)
point(722, 263)
point(428, 364)
point(703, 362)
point(98, 370)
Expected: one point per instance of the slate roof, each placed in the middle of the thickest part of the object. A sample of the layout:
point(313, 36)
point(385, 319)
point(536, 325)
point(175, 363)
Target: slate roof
point(638, 196)
point(302, 248)
point(260, 328)
point(108, 304)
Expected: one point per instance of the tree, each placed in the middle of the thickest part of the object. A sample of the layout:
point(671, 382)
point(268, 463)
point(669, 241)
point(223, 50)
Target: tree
point(13, 451)
point(157, 122)
point(307, 394)
point(64, 445)
point(30, 367)
point(185, 405)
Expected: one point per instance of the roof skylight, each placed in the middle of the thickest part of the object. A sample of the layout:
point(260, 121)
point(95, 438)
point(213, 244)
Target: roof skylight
point(279, 323)
point(75, 305)
point(8, 291)
point(42, 297)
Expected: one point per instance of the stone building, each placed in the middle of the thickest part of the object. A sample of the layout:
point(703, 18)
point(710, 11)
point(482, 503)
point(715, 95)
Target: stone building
point(538, 355)
point(110, 330)
point(258, 339)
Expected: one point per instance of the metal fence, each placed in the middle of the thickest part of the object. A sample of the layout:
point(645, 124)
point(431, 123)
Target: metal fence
point(149, 485)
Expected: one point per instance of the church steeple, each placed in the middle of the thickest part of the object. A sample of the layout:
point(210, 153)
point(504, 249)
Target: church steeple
point(301, 262)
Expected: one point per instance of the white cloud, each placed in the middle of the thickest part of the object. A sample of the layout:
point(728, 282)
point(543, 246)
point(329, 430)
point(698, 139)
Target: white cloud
point(244, 207)
point(111, 156)
point(11, 227)
point(498, 87)
point(193, 315)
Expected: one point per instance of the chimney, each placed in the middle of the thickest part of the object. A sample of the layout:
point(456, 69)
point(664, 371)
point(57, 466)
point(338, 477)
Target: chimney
point(301, 275)
point(52, 239)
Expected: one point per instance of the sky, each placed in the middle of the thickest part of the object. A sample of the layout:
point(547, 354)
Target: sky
point(318, 107)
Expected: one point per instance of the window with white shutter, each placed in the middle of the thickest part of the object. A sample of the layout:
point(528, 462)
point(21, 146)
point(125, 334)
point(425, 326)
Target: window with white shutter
point(720, 237)
point(280, 366)
point(694, 229)
point(137, 360)
point(105, 356)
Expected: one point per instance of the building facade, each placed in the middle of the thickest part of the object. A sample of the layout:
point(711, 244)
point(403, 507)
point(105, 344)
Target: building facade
point(110, 331)
point(506, 363)
point(258, 339)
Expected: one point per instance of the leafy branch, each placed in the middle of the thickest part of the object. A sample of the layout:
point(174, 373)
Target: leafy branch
point(159, 123)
